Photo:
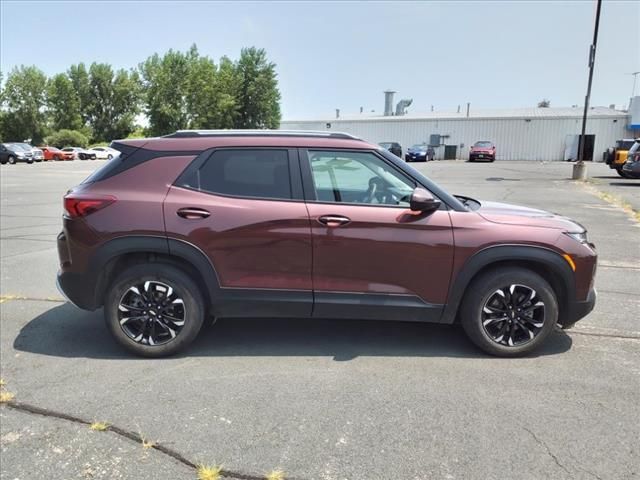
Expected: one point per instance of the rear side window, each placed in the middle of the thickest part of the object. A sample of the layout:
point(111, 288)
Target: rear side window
point(244, 173)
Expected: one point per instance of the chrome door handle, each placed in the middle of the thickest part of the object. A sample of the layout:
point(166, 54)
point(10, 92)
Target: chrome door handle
point(193, 213)
point(334, 220)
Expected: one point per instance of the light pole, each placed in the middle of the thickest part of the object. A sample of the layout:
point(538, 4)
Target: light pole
point(580, 169)
point(633, 89)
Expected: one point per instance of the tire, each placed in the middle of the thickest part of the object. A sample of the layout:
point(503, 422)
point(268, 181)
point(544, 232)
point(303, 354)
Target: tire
point(109, 157)
point(56, 158)
point(622, 173)
point(29, 162)
point(191, 313)
point(482, 299)
point(12, 160)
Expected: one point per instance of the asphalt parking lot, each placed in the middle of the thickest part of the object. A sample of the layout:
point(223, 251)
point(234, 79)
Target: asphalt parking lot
point(319, 399)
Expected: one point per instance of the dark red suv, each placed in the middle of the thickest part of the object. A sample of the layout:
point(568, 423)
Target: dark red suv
point(304, 224)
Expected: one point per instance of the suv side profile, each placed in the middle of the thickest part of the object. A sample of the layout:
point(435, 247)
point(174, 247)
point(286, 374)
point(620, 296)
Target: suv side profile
point(308, 224)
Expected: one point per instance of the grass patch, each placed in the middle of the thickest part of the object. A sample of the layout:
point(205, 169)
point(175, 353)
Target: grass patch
point(147, 444)
point(614, 200)
point(206, 472)
point(99, 426)
point(275, 475)
point(6, 397)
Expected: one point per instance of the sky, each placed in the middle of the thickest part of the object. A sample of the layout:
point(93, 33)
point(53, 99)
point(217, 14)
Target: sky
point(501, 54)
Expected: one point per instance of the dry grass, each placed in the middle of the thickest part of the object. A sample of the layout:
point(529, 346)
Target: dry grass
point(99, 426)
point(2, 382)
point(275, 475)
point(614, 200)
point(6, 397)
point(206, 472)
point(147, 444)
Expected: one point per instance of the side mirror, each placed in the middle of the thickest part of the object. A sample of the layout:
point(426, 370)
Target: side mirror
point(422, 201)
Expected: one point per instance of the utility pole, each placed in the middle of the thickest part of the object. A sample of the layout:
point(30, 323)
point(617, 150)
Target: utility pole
point(633, 89)
point(579, 169)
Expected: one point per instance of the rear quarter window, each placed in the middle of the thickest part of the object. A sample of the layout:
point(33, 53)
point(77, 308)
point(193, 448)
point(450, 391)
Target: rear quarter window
point(252, 173)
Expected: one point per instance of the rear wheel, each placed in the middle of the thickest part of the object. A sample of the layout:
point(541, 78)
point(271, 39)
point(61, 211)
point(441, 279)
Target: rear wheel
point(154, 310)
point(509, 312)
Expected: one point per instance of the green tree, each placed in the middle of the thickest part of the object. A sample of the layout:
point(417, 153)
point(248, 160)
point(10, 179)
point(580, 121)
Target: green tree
point(67, 138)
point(165, 84)
point(64, 103)
point(114, 103)
point(24, 98)
point(79, 77)
point(257, 96)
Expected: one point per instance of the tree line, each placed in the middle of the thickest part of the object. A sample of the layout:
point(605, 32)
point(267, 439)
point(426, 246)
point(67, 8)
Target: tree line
point(177, 90)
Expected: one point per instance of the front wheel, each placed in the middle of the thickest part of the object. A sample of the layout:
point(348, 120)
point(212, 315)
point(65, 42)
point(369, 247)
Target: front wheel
point(12, 160)
point(509, 312)
point(154, 310)
point(622, 173)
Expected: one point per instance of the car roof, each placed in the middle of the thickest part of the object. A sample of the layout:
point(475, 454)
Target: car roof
point(198, 140)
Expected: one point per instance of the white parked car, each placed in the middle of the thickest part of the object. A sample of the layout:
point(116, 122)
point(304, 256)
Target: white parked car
point(104, 153)
point(38, 155)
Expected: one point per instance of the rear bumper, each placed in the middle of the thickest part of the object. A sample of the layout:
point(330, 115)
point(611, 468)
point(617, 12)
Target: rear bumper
point(579, 310)
point(77, 290)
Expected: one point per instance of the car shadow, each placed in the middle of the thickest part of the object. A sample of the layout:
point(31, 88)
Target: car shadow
point(65, 331)
point(625, 184)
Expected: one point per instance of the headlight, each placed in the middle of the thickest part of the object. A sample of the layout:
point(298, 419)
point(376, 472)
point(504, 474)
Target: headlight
point(578, 236)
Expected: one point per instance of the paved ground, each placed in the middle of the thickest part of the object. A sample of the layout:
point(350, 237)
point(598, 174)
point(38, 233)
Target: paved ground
point(325, 400)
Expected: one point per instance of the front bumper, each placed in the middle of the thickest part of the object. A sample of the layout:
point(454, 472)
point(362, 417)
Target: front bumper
point(579, 310)
point(481, 156)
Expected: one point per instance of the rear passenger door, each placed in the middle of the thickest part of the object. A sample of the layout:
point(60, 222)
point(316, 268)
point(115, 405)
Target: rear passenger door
point(244, 208)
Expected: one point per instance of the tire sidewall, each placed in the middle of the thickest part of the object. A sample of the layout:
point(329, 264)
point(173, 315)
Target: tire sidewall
point(480, 291)
point(188, 290)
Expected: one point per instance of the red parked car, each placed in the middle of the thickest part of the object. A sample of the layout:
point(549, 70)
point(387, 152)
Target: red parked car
point(283, 224)
point(483, 151)
point(53, 153)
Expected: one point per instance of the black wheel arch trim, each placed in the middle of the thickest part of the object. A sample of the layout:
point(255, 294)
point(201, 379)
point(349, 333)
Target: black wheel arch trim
point(493, 255)
point(148, 244)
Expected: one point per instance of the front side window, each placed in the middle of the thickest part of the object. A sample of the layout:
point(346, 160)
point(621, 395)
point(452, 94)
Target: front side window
point(358, 177)
point(245, 173)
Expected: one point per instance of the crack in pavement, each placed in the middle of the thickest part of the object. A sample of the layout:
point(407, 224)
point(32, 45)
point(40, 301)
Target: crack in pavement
point(546, 447)
point(129, 435)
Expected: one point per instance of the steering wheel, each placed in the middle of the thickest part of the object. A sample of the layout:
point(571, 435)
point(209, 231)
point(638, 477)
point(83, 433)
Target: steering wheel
point(375, 191)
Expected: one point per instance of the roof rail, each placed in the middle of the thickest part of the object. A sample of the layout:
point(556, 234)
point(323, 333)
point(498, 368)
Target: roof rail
point(260, 133)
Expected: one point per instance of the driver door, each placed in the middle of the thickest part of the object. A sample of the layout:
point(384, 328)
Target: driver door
point(372, 256)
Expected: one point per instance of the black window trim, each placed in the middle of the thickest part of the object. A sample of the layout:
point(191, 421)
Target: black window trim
point(295, 178)
point(310, 191)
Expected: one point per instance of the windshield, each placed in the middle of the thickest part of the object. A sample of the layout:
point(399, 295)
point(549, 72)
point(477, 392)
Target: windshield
point(634, 148)
point(20, 146)
point(385, 145)
point(624, 144)
point(422, 148)
point(483, 145)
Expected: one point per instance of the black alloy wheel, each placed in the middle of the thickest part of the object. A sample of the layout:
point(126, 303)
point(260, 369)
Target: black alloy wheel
point(513, 315)
point(151, 313)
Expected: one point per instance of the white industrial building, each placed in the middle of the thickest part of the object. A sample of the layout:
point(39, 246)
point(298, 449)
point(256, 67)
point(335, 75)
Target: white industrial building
point(544, 134)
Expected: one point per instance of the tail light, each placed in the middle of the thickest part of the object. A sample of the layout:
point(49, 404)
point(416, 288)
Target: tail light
point(77, 205)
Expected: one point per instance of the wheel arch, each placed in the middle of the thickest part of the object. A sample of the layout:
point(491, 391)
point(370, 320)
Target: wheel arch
point(545, 262)
point(116, 254)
